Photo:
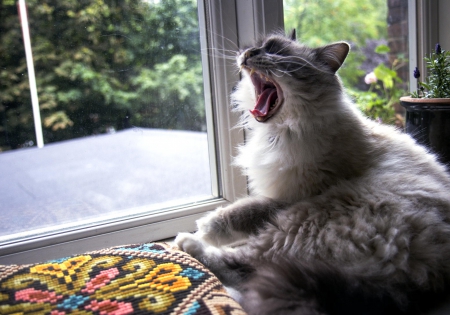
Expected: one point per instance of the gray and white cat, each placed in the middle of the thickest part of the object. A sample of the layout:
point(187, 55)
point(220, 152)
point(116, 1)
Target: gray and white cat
point(346, 216)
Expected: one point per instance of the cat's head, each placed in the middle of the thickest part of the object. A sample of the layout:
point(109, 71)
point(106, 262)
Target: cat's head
point(282, 70)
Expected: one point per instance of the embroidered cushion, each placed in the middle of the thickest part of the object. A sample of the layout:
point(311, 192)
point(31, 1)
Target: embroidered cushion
point(150, 278)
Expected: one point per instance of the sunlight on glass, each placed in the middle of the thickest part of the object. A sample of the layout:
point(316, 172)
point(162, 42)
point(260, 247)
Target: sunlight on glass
point(120, 94)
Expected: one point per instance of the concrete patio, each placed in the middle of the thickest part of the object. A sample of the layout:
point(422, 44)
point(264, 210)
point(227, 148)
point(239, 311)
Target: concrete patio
point(100, 175)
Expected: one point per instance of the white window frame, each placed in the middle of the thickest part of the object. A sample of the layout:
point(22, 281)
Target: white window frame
point(224, 25)
point(423, 32)
point(427, 23)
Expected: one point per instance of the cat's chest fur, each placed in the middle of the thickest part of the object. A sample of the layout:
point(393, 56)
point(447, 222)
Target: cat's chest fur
point(292, 159)
point(277, 167)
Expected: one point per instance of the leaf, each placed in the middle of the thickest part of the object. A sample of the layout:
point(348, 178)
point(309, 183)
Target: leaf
point(386, 75)
point(58, 120)
point(382, 49)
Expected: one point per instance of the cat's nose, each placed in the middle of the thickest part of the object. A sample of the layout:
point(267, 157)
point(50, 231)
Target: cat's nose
point(250, 53)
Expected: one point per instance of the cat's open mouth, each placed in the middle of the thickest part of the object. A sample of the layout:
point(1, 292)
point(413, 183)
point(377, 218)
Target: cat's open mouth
point(268, 93)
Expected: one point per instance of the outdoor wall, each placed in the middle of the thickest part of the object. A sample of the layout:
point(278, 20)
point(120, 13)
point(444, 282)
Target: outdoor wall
point(398, 33)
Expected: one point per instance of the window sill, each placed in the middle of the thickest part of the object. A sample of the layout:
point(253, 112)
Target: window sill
point(152, 227)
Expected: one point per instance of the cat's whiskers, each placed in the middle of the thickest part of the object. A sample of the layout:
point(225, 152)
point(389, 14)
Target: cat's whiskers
point(220, 53)
point(283, 72)
point(210, 33)
point(282, 59)
point(301, 66)
point(279, 51)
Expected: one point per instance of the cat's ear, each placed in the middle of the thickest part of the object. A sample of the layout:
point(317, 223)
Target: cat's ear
point(334, 54)
point(293, 34)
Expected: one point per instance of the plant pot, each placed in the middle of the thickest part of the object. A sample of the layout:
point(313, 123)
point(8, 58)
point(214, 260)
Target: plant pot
point(428, 121)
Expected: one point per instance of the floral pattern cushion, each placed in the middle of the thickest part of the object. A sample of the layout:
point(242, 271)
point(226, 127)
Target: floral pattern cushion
point(151, 278)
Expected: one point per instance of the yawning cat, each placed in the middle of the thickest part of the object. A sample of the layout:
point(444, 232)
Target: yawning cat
point(346, 216)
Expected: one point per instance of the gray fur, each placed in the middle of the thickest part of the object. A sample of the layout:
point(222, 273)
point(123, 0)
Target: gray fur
point(340, 204)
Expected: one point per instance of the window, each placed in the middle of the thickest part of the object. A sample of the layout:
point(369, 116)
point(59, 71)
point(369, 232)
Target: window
point(116, 78)
point(108, 151)
point(118, 88)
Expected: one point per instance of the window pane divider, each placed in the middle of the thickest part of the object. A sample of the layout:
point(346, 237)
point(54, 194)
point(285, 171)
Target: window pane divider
point(31, 74)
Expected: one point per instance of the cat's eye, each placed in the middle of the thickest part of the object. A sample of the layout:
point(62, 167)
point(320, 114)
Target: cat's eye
point(273, 46)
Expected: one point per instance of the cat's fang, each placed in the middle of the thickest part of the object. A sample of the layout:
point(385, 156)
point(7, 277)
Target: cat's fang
point(252, 71)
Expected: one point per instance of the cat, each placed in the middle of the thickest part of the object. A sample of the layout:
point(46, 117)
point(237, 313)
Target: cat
point(345, 215)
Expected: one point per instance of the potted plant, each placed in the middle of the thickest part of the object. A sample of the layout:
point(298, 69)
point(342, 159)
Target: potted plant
point(428, 108)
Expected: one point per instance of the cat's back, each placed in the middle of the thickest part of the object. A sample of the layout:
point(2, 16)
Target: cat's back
point(396, 213)
point(403, 167)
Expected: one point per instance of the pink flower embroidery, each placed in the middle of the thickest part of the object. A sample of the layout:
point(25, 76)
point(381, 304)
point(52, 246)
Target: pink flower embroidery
point(100, 280)
point(33, 295)
point(109, 307)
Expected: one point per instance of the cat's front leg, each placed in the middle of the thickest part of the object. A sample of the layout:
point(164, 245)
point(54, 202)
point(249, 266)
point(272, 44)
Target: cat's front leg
point(225, 263)
point(215, 228)
point(238, 220)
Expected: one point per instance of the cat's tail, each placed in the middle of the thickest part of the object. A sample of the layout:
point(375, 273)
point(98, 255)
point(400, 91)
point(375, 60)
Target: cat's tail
point(291, 287)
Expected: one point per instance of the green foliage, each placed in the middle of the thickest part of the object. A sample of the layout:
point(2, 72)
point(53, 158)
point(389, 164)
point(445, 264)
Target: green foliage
point(378, 103)
point(100, 64)
point(319, 22)
point(437, 84)
point(373, 106)
point(175, 84)
point(382, 49)
point(386, 75)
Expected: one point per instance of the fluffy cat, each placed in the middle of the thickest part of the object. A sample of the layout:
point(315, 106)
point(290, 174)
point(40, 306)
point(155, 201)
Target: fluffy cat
point(346, 216)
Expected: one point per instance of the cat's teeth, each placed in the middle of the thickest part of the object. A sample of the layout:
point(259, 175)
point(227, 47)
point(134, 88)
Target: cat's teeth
point(274, 104)
point(240, 68)
point(252, 71)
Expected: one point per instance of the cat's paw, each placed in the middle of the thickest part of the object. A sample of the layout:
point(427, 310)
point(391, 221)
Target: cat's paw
point(190, 243)
point(214, 229)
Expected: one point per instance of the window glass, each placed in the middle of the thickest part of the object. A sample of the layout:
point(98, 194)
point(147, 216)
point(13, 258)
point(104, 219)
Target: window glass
point(122, 109)
point(376, 71)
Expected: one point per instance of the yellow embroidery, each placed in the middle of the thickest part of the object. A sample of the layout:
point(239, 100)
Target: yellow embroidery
point(65, 286)
point(65, 270)
point(67, 282)
point(161, 281)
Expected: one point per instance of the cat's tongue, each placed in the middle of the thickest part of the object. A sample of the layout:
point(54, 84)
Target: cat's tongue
point(267, 97)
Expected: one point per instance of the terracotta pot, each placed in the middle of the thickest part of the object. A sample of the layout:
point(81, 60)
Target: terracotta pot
point(428, 121)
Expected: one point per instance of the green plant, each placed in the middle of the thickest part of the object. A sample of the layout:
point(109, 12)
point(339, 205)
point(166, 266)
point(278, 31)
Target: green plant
point(437, 84)
point(385, 89)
